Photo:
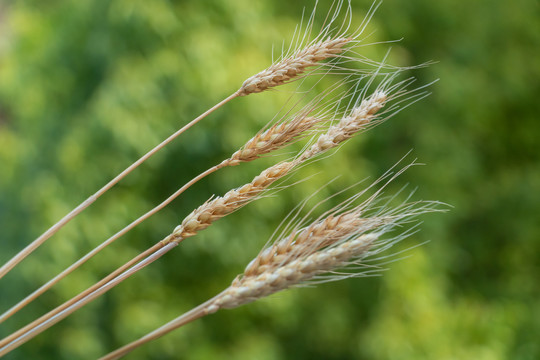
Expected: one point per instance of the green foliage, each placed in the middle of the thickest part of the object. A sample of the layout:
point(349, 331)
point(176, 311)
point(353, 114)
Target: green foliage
point(86, 87)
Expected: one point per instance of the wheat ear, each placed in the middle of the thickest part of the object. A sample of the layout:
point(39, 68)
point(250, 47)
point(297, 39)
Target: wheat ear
point(276, 137)
point(333, 42)
point(290, 68)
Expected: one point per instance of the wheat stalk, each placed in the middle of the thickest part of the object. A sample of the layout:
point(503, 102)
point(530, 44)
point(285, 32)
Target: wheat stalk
point(333, 242)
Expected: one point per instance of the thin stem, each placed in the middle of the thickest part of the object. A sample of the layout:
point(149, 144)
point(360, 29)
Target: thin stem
point(70, 309)
point(104, 244)
point(193, 314)
point(52, 230)
point(81, 295)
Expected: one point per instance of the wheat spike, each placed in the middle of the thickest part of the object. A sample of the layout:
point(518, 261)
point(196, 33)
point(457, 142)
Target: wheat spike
point(215, 209)
point(335, 40)
point(315, 236)
point(251, 288)
point(291, 67)
point(323, 245)
point(276, 137)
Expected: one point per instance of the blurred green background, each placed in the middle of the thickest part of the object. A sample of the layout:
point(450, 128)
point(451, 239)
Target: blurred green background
point(86, 87)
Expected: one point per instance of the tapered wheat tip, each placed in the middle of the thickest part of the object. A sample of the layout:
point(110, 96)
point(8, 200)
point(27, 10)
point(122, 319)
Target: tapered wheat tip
point(291, 67)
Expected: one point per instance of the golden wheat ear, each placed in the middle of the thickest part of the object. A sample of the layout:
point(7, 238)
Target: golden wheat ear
point(333, 45)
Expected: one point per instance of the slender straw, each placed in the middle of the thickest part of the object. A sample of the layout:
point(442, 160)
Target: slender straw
point(104, 244)
point(193, 314)
point(70, 309)
point(83, 294)
point(52, 230)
